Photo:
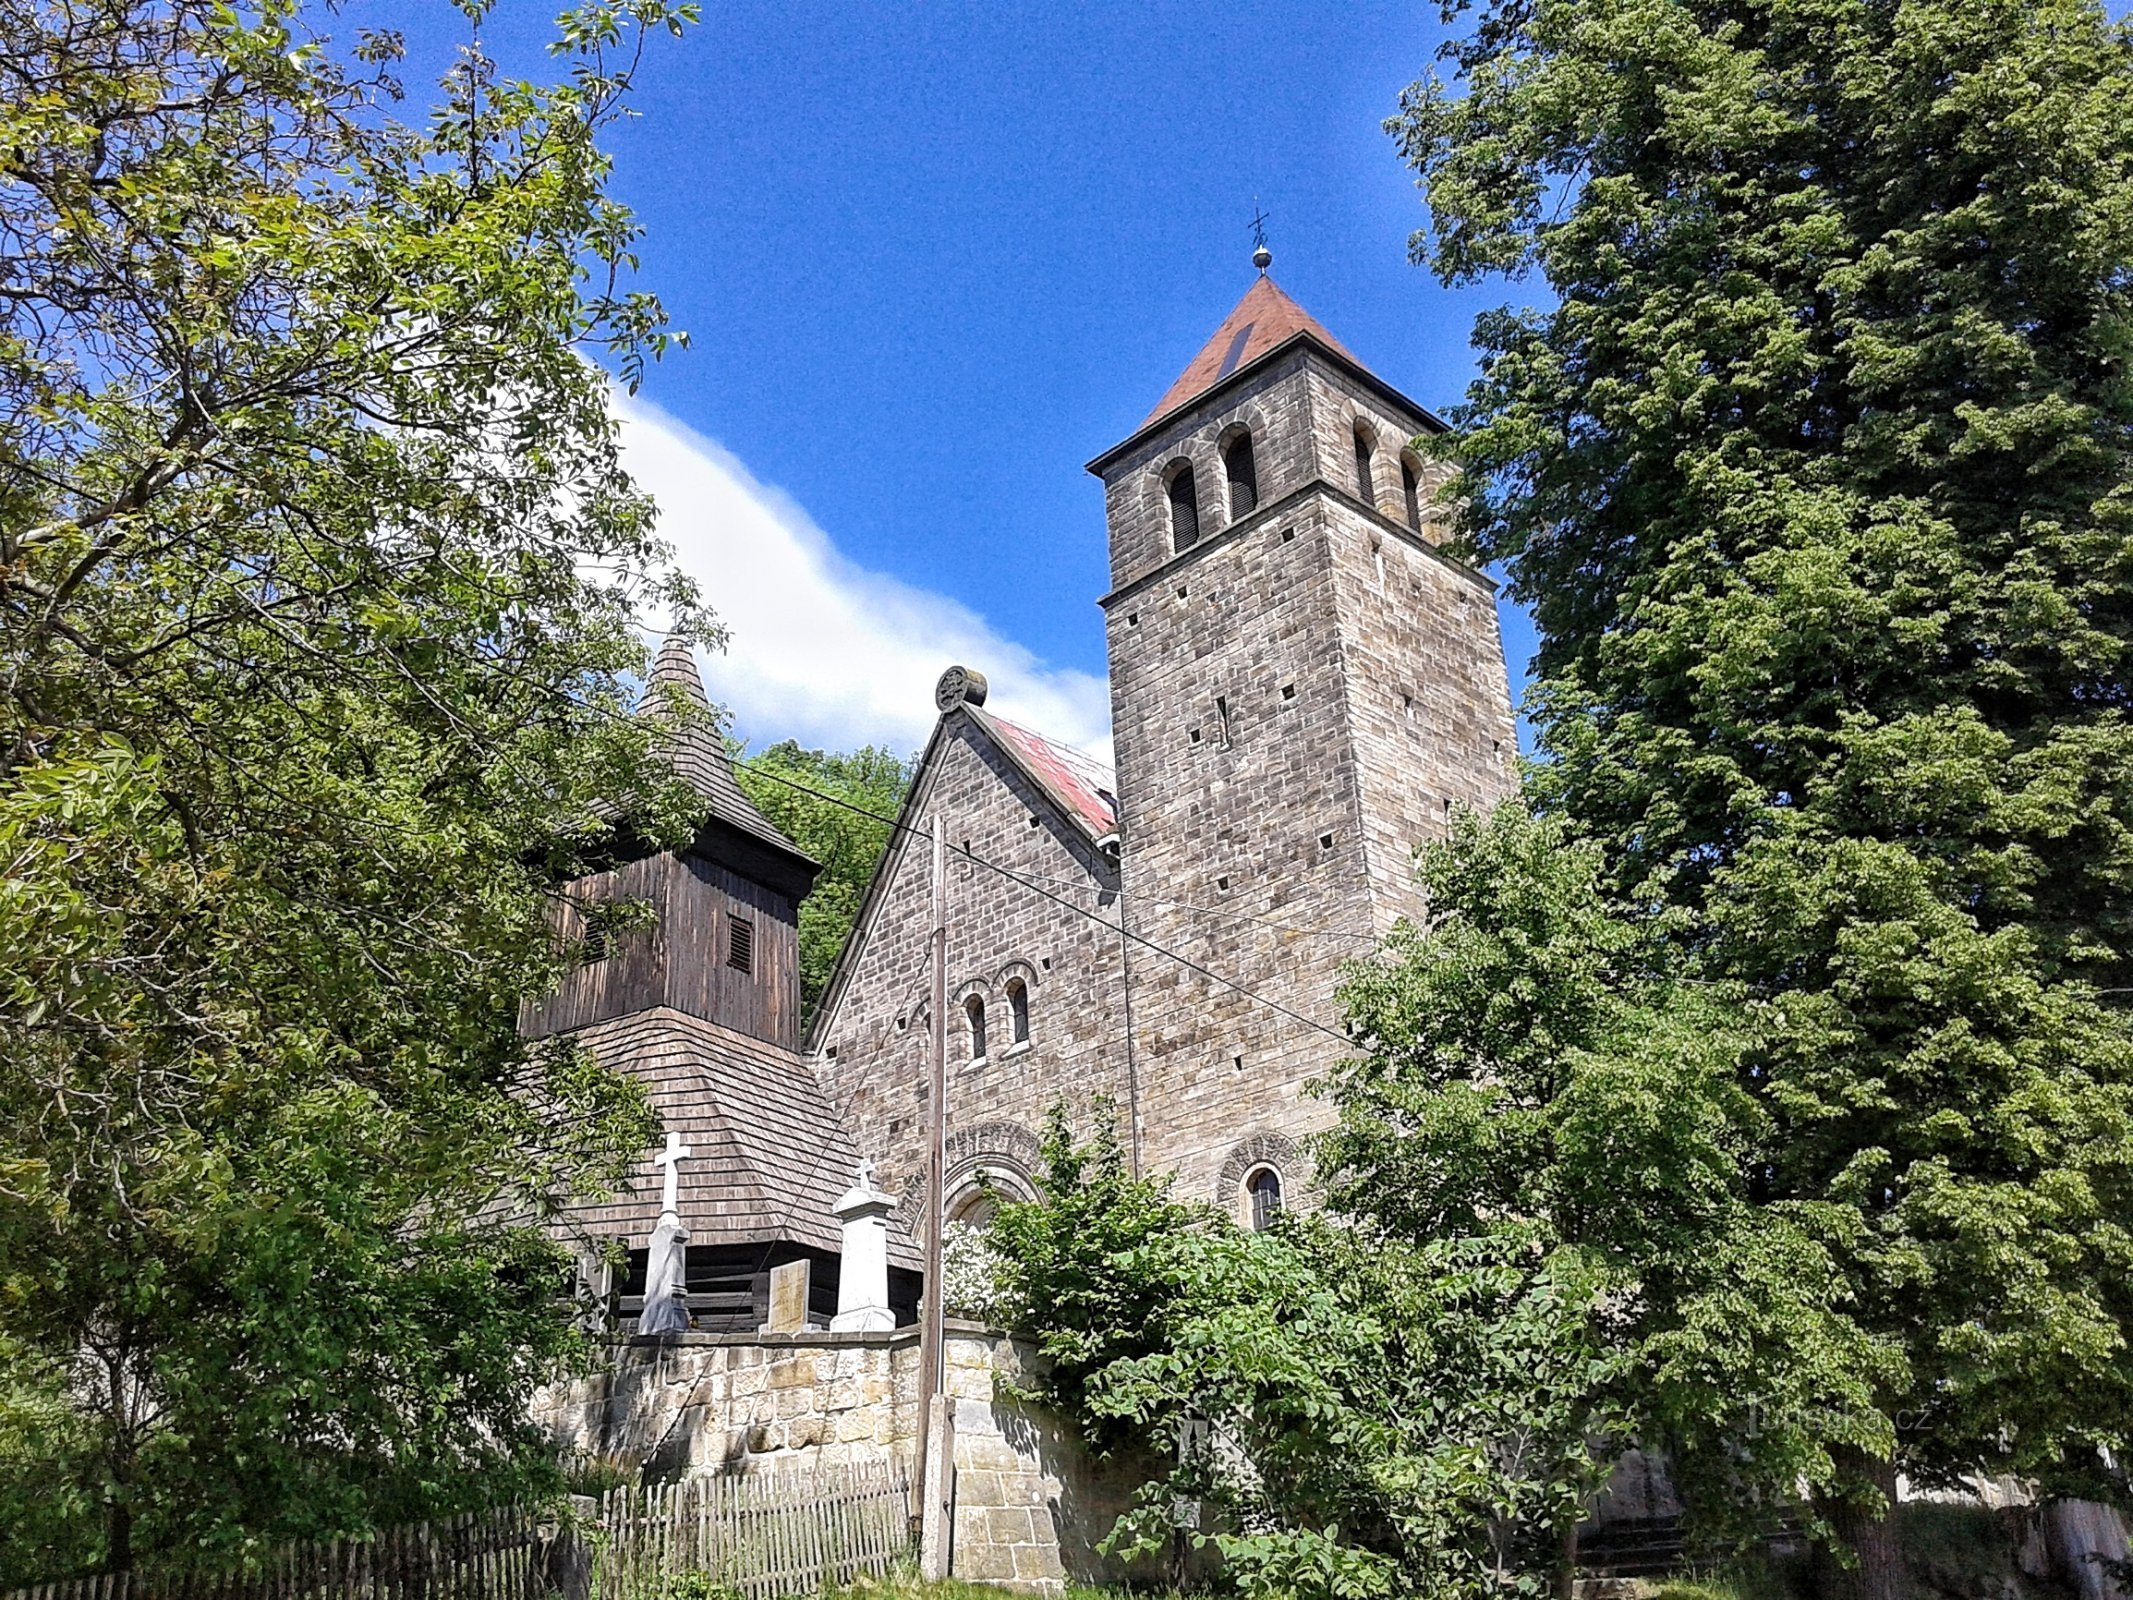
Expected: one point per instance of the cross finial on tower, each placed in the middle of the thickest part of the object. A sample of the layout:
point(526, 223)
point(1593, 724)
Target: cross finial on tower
point(866, 1174)
point(1262, 257)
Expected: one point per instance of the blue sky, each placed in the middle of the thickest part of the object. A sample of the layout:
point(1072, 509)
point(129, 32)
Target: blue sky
point(933, 258)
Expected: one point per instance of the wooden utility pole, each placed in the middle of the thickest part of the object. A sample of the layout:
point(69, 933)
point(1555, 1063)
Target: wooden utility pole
point(937, 1100)
point(1125, 990)
point(935, 1446)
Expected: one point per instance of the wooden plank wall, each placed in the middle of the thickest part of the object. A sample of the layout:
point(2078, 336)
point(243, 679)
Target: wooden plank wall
point(632, 977)
point(764, 1002)
point(682, 962)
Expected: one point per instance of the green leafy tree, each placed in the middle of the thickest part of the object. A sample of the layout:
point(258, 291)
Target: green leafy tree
point(845, 833)
point(1536, 1068)
point(1094, 1268)
point(1346, 1414)
point(317, 579)
point(1814, 472)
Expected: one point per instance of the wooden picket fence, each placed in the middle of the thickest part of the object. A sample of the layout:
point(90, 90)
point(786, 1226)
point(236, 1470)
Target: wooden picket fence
point(486, 1555)
point(779, 1534)
point(765, 1536)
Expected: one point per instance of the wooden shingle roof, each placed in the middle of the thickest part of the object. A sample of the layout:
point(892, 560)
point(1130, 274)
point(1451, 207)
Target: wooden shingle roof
point(768, 1156)
point(699, 754)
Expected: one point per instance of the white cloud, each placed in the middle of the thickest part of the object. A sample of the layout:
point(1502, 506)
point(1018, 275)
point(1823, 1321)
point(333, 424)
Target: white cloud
point(824, 650)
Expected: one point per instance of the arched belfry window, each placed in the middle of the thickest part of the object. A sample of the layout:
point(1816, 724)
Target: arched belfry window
point(1411, 488)
point(1243, 474)
point(1263, 1189)
point(974, 1010)
point(1184, 507)
point(1365, 448)
point(1018, 1011)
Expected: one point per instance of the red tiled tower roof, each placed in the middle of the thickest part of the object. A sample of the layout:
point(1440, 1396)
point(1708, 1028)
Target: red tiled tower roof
point(1264, 318)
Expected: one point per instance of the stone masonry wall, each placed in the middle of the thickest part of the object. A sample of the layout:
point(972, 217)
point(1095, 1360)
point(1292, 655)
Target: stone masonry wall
point(1274, 405)
point(1429, 700)
point(1240, 826)
point(1299, 700)
point(1336, 404)
point(1429, 706)
point(874, 1048)
point(1029, 1506)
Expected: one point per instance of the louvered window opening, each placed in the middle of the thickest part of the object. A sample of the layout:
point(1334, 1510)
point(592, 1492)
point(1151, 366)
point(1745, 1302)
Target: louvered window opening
point(1184, 510)
point(1243, 474)
point(740, 944)
point(1363, 485)
point(1412, 487)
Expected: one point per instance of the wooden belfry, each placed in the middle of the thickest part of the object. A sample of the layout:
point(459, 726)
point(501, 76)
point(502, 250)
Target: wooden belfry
point(725, 946)
point(703, 1006)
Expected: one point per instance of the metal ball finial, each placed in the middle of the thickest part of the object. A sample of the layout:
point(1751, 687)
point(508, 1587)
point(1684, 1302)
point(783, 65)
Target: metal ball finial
point(1262, 258)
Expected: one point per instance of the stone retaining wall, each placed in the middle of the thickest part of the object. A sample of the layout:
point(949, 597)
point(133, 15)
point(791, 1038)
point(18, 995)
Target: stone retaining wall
point(1029, 1506)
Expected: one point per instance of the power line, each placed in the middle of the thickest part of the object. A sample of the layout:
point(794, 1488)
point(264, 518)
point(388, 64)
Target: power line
point(1144, 899)
point(994, 866)
point(1183, 961)
point(1233, 916)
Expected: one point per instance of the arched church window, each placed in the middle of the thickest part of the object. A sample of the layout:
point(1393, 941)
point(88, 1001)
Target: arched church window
point(1263, 1189)
point(1411, 487)
point(1184, 508)
point(1243, 474)
point(1018, 1011)
point(1365, 448)
point(974, 1009)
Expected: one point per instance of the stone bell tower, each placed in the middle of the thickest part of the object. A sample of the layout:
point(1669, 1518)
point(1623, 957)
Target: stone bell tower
point(1303, 689)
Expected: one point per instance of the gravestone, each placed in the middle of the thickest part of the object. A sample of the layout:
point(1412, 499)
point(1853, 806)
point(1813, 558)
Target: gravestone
point(666, 1269)
point(789, 1286)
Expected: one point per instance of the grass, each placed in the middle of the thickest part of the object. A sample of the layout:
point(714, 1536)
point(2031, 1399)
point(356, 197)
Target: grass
point(905, 1584)
point(1953, 1551)
point(1738, 1580)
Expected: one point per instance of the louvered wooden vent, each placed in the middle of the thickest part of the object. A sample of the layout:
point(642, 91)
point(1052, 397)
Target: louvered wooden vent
point(1243, 477)
point(740, 944)
point(1184, 510)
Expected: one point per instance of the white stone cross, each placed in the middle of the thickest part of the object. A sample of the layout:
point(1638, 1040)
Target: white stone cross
point(866, 1174)
point(671, 1159)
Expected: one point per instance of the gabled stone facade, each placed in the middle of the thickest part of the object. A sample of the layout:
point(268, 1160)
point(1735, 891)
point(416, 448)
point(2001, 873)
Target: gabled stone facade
point(1050, 928)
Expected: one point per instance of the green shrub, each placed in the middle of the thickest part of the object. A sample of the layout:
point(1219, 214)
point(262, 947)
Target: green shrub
point(698, 1586)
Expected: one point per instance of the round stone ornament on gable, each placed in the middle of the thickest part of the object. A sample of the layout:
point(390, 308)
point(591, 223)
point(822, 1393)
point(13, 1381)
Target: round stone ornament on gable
point(958, 685)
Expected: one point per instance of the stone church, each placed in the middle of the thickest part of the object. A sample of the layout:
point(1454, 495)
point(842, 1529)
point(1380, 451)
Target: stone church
point(1304, 687)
